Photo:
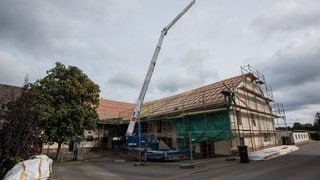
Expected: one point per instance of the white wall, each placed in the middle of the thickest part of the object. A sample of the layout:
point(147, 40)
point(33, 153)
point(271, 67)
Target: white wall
point(299, 137)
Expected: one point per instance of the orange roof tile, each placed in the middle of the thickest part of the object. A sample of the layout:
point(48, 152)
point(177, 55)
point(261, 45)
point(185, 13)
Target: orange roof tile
point(189, 101)
point(208, 95)
point(109, 109)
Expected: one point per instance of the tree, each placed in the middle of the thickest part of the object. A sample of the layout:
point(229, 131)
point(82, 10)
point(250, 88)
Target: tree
point(317, 120)
point(67, 102)
point(21, 131)
point(297, 126)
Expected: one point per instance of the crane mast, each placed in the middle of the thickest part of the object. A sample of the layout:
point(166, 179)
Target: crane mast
point(136, 111)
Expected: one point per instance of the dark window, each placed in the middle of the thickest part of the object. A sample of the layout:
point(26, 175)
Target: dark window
point(238, 115)
point(266, 137)
point(242, 141)
point(144, 127)
point(89, 138)
point(253, 119)
point(159, 126)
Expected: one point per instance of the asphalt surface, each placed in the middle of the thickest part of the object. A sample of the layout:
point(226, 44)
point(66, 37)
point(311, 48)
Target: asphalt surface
point(301, 164)
point(106, 165)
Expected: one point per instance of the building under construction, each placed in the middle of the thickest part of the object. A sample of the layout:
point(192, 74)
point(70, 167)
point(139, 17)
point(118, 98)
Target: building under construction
point(214, 119)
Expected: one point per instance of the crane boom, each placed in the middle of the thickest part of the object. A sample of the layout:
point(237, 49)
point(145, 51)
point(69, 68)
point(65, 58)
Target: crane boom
point(136, 111)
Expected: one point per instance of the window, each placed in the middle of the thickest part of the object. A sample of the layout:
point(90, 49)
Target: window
point(242, 141)
point(144, 127)
point(159, 126)
point(252, 119)
point(266, 137)
point(238, 116)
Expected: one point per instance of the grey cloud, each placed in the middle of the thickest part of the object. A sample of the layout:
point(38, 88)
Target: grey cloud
point(295, 97)
point(288, 16)
point(185, 73)
point(33, 27)
point(7, 62)
point(295, 65)
point(293, 73)
point(43, 28)
point(127, 80)
point(175, 82)
point(42, 32)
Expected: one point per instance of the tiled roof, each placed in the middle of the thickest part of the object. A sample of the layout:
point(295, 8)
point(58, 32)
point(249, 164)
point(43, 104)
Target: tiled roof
point(189, 101)
point(8, 92)
point(108, 109)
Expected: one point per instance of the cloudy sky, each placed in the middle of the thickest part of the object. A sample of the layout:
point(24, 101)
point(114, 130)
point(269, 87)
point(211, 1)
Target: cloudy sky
point(113, 42)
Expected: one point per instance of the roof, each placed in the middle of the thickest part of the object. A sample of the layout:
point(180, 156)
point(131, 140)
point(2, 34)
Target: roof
point(207, 96)
point(8, 92)
point(109, 109)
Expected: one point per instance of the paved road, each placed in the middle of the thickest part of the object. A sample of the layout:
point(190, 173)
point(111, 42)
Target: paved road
point(301, 164)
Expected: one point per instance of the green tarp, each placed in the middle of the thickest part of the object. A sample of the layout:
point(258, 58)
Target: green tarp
point(203, 128)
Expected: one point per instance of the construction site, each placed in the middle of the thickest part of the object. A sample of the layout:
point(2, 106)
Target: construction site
point(214, 119)
point(233, 118)
point(209, 121)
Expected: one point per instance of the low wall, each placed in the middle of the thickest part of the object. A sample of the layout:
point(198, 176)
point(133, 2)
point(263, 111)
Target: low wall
point(299, 137)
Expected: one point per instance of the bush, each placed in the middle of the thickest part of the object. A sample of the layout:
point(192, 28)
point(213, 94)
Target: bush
point(7, 164)
point(315, 136)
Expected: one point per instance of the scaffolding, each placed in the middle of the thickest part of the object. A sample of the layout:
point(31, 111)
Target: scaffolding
point(277, 110)
point(260, 79)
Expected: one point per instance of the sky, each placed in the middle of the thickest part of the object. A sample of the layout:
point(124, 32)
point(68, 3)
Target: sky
point(112, 42)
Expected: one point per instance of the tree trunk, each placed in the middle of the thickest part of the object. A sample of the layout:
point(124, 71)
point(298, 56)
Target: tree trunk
point(58, 151)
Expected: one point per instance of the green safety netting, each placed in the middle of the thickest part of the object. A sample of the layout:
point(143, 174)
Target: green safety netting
point(203, 128)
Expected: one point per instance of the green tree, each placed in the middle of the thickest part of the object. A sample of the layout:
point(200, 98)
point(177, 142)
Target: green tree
point(297, 126)
point(317, 117)
point(317, 120)
point(21, 131)
point(67, 99)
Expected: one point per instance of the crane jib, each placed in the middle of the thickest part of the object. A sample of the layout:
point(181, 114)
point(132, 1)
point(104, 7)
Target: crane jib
point(136, 113)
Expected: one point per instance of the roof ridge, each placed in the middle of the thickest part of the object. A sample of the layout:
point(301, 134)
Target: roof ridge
point(199, 88)
point(102, 99)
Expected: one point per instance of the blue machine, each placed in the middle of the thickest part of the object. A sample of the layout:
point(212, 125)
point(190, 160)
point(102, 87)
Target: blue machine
point(153, 149)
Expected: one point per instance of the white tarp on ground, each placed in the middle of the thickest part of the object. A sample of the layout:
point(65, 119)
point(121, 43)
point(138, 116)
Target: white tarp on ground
point(38, 167)
point(271, 152)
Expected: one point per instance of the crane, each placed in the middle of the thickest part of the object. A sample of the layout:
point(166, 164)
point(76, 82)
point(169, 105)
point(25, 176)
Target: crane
point(136, 111)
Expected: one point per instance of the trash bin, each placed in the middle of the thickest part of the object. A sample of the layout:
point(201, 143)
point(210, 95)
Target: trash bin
point(243, 152)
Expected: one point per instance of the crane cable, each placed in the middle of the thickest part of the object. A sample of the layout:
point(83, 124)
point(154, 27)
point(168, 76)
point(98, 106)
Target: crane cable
point(198, 44)
point(199, 52)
